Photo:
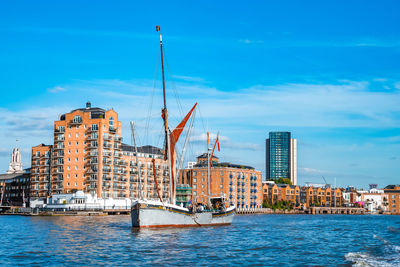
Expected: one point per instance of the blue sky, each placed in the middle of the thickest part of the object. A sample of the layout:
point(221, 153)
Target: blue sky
point(328, 71)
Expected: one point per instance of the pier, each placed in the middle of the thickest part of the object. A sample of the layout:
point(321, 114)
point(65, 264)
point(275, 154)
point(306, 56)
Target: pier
point(334, 210)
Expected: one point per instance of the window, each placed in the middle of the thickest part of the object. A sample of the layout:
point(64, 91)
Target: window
point(194, 180)
point(77, 135)
point(77, 119)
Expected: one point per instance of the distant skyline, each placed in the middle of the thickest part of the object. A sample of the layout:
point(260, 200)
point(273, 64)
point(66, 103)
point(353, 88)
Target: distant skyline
point(327, 71)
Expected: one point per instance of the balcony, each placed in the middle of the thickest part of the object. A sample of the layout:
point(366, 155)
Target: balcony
point(107, 146)
point(107, 137)
point(75, 122)
point(92, 146)
point(90, 130)
point(92, 138)
point(93, 154)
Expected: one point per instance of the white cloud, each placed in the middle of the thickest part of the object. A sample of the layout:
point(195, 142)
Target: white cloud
point(189, 78)
point(248, 41)
point(56, 89)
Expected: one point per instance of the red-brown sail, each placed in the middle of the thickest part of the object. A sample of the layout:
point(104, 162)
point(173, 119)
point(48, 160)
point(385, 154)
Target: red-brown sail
point(174, 137)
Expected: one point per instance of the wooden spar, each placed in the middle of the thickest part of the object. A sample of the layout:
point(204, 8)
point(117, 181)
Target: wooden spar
point(164, 115)
point(212, 152)
point(140, 193)
point(209, 164)
point(208, 171)
point(155, 179)
point(184, 146)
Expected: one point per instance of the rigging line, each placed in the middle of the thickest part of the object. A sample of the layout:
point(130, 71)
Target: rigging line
point(151, 102)
point(174, 85)
point(202, 120)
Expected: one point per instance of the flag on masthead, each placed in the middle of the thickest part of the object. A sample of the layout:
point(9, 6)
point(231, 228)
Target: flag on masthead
point(158, 28)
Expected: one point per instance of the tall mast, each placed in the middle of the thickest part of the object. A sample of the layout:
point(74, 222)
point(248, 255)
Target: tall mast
point(208, 170)
point(140, 193)
point(165, 117)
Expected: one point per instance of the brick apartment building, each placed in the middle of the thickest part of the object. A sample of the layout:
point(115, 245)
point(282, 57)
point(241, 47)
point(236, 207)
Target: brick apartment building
point(241, 185)
point(393, 195)
point(88, 155)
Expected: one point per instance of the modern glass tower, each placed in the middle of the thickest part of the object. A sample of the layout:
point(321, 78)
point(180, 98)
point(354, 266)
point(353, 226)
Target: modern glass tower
point(281, 156)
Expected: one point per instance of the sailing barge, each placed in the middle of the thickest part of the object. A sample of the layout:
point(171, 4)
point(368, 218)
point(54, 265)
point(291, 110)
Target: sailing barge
point(165, 213)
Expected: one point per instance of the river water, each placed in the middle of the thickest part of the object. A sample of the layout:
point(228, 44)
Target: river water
point(285, 240)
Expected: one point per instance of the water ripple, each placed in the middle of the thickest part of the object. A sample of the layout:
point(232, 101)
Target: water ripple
point(289, 240)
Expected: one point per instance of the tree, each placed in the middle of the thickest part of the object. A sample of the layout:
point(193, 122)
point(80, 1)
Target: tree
point(283, 181)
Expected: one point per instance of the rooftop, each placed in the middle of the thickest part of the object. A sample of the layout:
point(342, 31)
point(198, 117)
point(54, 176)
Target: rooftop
point(204, 156)
point(224, 165)
point(142, 149)
point(95, 112)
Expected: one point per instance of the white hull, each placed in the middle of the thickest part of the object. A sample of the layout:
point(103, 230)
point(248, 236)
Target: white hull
point(155, 214)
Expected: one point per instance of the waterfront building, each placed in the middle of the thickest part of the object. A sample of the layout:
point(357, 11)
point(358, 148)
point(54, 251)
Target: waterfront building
point(41, 172)
point(146, 155)
point(320, 197)
point(271, 192)
point(15, 183)
point(88, 155)
point(281, 157)
point(351, 196)
point(86, 201)
point(393, 195)
point(241, 185)
point(290, 193)
point(374, 200)
point(15, 188)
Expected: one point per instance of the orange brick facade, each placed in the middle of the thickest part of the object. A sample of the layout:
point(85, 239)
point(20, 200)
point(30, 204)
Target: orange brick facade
point(393, 194)
point(240, 185)
point(88, 155)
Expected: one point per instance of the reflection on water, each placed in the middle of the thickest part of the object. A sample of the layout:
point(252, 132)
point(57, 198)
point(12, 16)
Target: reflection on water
point(258, 239)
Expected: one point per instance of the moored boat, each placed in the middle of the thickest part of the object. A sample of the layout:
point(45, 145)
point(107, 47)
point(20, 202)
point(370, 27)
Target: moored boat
point(165, 213)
